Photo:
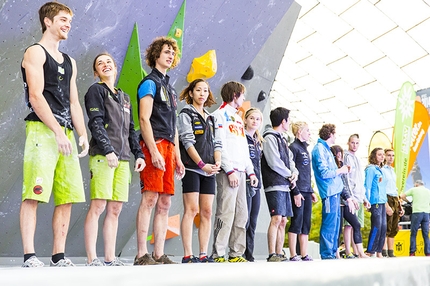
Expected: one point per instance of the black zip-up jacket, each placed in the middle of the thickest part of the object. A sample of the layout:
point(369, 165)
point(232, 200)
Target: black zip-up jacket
point(111, 123)
point(303, 164)
point(163, 117)
point(203, 131)
point(270, 177)
point(255, 154)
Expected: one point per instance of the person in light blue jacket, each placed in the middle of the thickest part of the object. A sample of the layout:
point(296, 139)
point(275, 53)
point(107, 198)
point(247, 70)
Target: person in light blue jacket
point(330, 185)
point(375, 184)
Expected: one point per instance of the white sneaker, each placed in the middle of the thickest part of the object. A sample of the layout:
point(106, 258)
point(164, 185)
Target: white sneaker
point(115, 262)
point(65, 262)
point(95, 262)
point(33, 262)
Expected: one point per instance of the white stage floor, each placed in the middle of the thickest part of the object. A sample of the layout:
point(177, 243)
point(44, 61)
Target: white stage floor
point(405, 271)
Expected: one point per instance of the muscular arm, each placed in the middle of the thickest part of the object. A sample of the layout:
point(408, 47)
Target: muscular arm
point(77, 114)
point(145, 105)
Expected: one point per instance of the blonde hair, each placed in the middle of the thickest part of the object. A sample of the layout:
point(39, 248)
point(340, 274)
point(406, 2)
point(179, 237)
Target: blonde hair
point(247, 114)
point(298, 126)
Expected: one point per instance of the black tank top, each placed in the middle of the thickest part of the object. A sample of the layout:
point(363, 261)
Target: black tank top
point(56, 90)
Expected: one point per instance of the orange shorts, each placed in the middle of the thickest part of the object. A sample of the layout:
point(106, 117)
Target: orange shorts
point(153, 179)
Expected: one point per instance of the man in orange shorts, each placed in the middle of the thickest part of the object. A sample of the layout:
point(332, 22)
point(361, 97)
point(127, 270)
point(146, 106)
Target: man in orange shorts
point(159, 141)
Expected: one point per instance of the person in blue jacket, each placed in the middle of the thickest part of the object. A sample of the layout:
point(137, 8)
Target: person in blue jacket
point(375, 184)
point(330, 185)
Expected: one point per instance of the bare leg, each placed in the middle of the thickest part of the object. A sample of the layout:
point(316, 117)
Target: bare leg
point(206, 202)
point(160, 224)
point(91, 226)
point(60, 227)
point(110, 229)
point(27, 219)
point(292, 243)
point(147, 203)
point(272, 233)
point(191, 208)
point(280, 238)
point(347, 238)
point(303, 238)
point(360, 251)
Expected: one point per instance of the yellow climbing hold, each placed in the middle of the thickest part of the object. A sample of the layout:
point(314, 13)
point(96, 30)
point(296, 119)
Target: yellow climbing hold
point(203, 67)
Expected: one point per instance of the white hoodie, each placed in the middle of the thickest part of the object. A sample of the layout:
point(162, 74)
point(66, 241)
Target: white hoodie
point(231, 133)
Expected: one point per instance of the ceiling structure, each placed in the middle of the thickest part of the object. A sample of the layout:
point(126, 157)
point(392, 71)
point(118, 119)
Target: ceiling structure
point(347, 60)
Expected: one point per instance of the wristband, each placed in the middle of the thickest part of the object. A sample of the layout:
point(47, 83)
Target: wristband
point(201, 164)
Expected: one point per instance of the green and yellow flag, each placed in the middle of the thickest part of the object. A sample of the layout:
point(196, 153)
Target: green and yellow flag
point(403, 132)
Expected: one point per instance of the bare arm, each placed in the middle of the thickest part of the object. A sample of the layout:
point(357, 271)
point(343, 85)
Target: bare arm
point(145, 106)
point(33, 61)
point(77, 114)
point(180, 168)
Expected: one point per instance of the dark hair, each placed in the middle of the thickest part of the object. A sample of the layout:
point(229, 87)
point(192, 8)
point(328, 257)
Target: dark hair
point(232, 89)
point(326, 131)
point(153, 51)
point(336, 149)
point(102, 54)
point(185, 94)
point(50, 10)
point(278, 114)
point(372, 157)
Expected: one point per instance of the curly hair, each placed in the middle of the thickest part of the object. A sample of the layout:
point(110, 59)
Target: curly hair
point(326, 131)
point(372, 157)
point(185, 94)
point(50, 10)
point(153, 51)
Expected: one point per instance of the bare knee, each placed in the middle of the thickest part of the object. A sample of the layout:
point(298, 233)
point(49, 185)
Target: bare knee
point(163, 204)
point(149, 200)
point(276, 220)
point(206, 213)
point(114, 208)
point(97, 207)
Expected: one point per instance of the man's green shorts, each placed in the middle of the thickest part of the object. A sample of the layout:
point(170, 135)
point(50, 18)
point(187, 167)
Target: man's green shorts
point(109, 183)
point(47, 171)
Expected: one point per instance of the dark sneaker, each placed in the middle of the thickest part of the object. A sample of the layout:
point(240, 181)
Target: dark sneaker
point(163, 259)
point(283, 256)
point(220, 259)
point(144, 260)
point(274, 258)
point(206, 259)
point(191, 259)
point(307, 258)
point(350, 256)
point(412, 254)
point(32, 262)
point(296, 258)
point(237, 259)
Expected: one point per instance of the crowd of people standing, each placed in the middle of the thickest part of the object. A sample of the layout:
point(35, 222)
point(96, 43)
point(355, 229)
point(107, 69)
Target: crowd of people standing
point(219, 154)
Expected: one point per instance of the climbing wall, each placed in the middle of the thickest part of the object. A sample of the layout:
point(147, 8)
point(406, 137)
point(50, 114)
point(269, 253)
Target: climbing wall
point(242, 33)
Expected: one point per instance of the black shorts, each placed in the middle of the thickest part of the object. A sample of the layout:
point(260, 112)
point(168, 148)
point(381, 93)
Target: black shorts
point(279, 203)
point(301, 221)
point(193, 182)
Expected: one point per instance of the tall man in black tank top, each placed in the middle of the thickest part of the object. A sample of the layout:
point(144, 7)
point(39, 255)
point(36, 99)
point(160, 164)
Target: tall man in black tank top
point(52, 96)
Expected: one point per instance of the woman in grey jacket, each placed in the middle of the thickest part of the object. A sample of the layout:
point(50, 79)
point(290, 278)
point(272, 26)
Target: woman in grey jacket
point(202, 160)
